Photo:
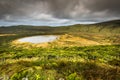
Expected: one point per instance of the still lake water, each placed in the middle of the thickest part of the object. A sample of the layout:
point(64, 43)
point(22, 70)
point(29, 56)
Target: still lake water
point(39, 39)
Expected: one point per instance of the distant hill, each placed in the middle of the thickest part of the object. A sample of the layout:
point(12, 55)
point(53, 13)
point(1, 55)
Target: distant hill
point(103, 27)
point(112, 22)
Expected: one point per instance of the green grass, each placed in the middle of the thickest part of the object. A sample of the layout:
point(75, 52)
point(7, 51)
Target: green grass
point(59, 62)
point(64, 62)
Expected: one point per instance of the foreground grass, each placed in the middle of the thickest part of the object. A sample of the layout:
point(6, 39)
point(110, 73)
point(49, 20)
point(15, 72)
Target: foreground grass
point(70, 63)
point(58, 62)
point(61, 61)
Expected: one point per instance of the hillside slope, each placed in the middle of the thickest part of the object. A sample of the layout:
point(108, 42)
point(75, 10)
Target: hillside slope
point(104, 27)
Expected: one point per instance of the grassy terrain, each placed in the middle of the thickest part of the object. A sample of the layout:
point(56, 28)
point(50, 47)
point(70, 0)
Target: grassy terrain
point(83, 52)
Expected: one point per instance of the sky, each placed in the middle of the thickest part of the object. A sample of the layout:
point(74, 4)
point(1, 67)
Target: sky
point(57, 12)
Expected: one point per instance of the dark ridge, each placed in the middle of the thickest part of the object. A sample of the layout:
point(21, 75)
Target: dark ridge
point(111, 22)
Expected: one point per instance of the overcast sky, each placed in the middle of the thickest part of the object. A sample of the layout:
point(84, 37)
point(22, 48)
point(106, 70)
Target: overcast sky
point(57, 12)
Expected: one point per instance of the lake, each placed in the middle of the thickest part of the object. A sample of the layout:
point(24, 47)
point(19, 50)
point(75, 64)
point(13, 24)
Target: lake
point(39, 39)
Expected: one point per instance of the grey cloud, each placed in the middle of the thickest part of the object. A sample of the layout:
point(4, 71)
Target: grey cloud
point(65, 9)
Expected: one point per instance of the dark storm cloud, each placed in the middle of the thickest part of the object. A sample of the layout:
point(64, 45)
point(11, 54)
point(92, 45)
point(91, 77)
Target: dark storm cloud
point(110, 5)
point(65, 9)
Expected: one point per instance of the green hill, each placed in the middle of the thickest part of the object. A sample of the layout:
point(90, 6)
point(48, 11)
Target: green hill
point(104, 27)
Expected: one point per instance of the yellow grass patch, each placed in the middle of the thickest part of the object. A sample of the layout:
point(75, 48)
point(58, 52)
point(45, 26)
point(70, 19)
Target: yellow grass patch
point(7, 34)
point(22, 59)
point(27, 44)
